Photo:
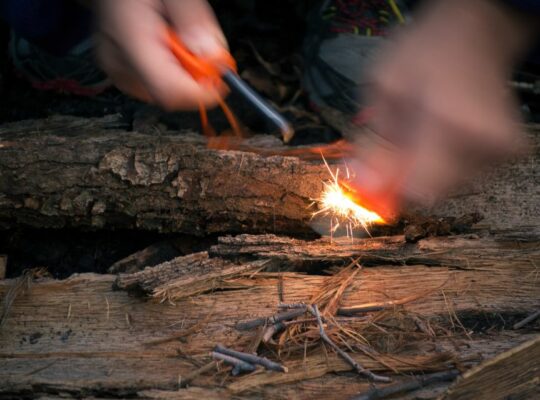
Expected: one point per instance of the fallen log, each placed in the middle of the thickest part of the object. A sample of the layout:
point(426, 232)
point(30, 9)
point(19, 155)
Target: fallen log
point(72, 172)
point(79, 336)
point(95, 173)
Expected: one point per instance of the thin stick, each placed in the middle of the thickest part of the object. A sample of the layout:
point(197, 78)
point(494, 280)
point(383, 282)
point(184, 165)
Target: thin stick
point(361, 370)
point(291, 305)
point(525, 321)
point(379, 306)
point(239, 365)
point(271, 330)
point(251, 358)
point(408, 385)
point(244, 326)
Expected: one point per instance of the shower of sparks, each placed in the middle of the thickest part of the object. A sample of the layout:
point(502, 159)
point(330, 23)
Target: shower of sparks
point(341, 208)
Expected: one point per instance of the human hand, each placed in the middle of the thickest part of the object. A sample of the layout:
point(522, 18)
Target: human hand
point(132, 49)
point(441, 107)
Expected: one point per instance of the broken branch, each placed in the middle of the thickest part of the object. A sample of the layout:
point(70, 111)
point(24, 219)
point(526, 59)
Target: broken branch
point(251, 358)
point(239, 365)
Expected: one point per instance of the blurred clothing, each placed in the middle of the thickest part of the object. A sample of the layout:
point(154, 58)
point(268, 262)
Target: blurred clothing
point(55, 26)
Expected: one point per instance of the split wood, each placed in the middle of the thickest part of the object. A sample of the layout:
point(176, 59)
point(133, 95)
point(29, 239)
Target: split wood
point(361, 370)
point(239, 365)
point(412, 384)
point(251, 358)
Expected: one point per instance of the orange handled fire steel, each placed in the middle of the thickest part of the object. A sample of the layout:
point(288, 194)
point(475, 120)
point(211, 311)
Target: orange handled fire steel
point(219, 70)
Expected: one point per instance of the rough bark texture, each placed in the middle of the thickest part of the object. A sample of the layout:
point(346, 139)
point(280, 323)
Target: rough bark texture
point(93, 173)
point(86, 173)
point(79, 337)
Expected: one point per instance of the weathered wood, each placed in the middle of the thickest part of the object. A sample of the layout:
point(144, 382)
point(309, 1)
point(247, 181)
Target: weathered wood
point(80, 337)
point(87, 173)
point(514, 374)
point(93, 173)
point(460, 251)
point(186, 276)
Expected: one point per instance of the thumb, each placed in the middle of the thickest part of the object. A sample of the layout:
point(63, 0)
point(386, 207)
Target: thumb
point(196, 24)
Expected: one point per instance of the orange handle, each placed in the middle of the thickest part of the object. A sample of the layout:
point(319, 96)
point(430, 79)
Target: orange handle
point(207, 70)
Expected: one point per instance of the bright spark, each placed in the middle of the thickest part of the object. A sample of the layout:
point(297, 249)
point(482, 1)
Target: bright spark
point(342, 209)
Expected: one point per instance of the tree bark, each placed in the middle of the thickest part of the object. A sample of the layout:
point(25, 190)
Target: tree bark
point(95, 173)
point(72, 172)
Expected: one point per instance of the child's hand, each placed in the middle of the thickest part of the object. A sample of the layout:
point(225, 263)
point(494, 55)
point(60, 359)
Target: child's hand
point(132, 49)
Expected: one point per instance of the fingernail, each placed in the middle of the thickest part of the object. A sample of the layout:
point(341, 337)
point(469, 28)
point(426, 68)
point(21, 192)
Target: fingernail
point(203, 42)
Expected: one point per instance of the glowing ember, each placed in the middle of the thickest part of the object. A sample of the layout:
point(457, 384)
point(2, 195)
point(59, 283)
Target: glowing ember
point(342, 209)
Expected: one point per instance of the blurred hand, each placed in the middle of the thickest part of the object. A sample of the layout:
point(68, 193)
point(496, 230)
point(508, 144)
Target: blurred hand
point(441, 104)
point(132, 50)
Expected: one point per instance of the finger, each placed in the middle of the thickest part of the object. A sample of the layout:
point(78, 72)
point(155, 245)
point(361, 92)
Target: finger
point(139, 29)
point(196, 23)
point(119, 70)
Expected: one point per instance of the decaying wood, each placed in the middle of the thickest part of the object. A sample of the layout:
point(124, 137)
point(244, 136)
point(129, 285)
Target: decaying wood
point(93, 173)
point(514, 374)
point(460, 251)
point(185, 276)
point(79, 336)
point(73, 172)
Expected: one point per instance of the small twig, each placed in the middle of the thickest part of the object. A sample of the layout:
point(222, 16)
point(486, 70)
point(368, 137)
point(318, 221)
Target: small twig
point(291, 305)
point(239, 365)
point(408, 385)
point(525, 321)
point(271, 330)
point(361, 370)
point(244, 326)
point(251, 358)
